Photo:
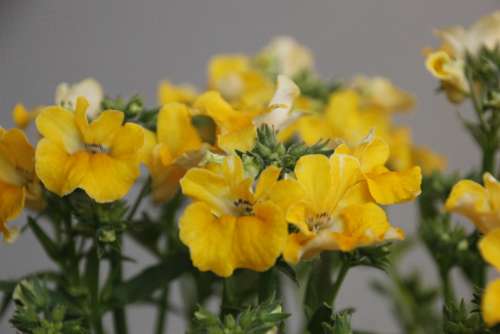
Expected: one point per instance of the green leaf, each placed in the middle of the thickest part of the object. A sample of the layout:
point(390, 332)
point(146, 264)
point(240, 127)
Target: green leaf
point(50, 247)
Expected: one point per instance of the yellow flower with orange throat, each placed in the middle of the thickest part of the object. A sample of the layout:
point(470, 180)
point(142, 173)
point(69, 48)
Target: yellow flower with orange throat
point(230, 225)
point(101, 157)
point(482, 206)
point(334, 211)
point(18, 182)
point(172, 150)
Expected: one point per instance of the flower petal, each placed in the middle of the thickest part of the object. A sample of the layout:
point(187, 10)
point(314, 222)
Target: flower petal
point(491, 303)
point(176, 130)
point(59, 171)
point(313, 174)
point(58, 125)
point(107, 178)
point(345, 174)
point(395, 187)
point(127, 142)
point(490, 248)
point(493, 186)
point(103, 129)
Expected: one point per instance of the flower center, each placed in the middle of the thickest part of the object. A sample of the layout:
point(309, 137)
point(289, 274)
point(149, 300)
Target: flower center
point(96, 148)
point(319, 221)
point(243, 207)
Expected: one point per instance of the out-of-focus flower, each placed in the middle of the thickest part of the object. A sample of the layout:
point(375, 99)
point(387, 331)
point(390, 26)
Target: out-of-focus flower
point(428, 160)
point(335, 212)
point(280, 106)
point(450, 71)
point(168, 93)
point(234, 77)
point(102, 158)
point(480, 204)
point(23, 117)
point(67, 94)
point(380, 92)
point(289, 56)
point(18, 182)
point(384, 185)
point(170, 152)
point(229, 226)
point(237, 128)
point(490, 305)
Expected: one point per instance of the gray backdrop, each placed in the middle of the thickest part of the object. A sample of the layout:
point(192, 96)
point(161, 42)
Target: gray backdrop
point(130, 45)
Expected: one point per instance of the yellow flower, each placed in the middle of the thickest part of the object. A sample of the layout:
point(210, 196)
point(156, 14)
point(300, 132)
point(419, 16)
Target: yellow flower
point(380, 92)
point(168, 93)
point(23, 117)
point(170, 152)
point(101, 158)
point(428, 160)
point(480, 204)
point(451, 73)
point(66, 95)
point(384, 185)
point(18, 182)
point(237, 129)
point(238, 82)
point(291, 57)
point(490, 250)
point(335, 211)
point(229, 226)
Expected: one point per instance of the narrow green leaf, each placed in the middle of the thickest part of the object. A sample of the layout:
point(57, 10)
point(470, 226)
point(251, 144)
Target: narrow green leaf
point(48, 245)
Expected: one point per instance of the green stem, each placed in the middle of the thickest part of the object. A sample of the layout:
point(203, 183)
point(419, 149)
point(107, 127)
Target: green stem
point(119, 315)
point(332, 295)
point(228, 296)
point(161, 319)
point(144, 191)
point(93, 269)
point(446, 285)
point(488, 162)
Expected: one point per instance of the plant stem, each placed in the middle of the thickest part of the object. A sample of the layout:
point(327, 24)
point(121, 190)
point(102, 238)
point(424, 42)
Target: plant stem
point(332, 295)
point(448, 293)
point(228, 296)
point(488, 162)
point(140, 197)
point(162, 311)
point(119, 315)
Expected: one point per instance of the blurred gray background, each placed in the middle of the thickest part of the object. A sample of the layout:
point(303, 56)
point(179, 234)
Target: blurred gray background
point(130, 45)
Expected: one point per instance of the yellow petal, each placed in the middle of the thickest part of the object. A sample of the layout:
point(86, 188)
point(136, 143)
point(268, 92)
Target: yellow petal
point(242, 140)
point(205, 185)
point(15, 144)
point(208, 238)
point(165, 182)
point(345, 174)
point(294, 248)
point(11, 201)
point(493, 186)
point(22, 117)
point(59, 171)
point(470, 199)
point(428, 160)
point(127, 142)
point(313, 174)
point(267, 179)
point(363, 225)
point(176, 130)
point(108, 178)
point(260, 239)
point(395, 187)
point(224, 244)
point(58, 125)
point(168, 93)
point(284, 193)
point(490, 248)
point(490, 305)
point(103, 129)
point(372, 152)
point(146, 151)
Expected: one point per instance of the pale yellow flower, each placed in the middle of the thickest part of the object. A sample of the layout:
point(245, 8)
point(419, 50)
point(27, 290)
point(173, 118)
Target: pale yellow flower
point(67, 94)
point(290, 56)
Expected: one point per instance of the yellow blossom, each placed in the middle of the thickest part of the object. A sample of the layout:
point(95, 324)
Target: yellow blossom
point(237, 128)
point(380, 92)
point(480, 204)
point(170, 152)
point(451, 73)
point(384, 185)
point(335, 211)
point(168, 93)
point(229, 226)
point(490, 250)
point(101, 158)
point(428, 160)
point(234, 77)
point(66, 95)
point(18, 182)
